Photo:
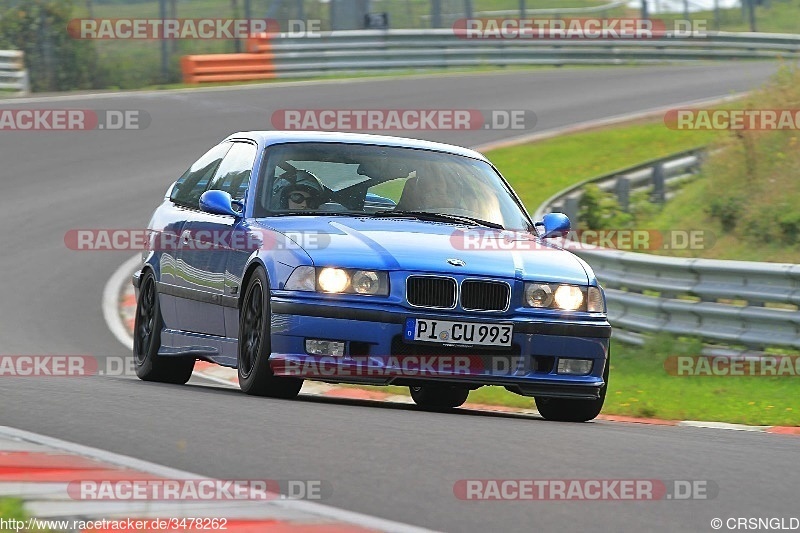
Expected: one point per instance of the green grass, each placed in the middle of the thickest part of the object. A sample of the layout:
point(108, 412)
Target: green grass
point(780, 17)
point(539, 170)
point(12, 508)
point(640, 386)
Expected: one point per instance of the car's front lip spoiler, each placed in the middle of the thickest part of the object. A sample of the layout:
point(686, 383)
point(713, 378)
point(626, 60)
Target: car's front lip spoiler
point(601, 330)
point(136, 279)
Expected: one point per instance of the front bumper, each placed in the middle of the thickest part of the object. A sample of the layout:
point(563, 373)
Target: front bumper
point(376, 353)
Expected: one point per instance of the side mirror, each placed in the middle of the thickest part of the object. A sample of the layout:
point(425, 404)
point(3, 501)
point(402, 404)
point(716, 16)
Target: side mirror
point(555, 225)
point(218, 203)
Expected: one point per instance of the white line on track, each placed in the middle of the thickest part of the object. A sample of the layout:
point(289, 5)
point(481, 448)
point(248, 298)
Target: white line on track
point(111, 294)
point(721, 425)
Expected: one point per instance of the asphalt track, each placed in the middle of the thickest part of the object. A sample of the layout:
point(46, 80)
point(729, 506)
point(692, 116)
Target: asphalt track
point(384, 460)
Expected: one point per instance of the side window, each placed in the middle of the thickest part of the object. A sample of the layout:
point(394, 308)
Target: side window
point(193, 183)
point(233, 175)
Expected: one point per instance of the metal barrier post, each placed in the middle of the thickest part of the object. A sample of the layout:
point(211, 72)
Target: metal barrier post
point(659, 190)
point(623, 189)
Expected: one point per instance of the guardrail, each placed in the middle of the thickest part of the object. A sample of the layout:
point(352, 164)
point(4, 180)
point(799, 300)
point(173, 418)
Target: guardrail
point(392, 50)
point(743, 304)
point(13, 74)
point(662, 175)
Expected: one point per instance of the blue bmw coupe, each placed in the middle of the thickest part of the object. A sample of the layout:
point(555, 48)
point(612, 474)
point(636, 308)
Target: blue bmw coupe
point(351, 258)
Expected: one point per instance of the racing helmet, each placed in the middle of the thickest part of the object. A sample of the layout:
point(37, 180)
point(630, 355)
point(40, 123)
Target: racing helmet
point(296, 180)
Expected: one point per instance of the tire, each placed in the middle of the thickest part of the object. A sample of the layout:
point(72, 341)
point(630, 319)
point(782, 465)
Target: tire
point(569, 410)
point(255, 346)
point(147, 340)
point(439, 398)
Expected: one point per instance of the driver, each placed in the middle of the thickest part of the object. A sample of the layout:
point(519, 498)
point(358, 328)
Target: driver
point(298, 189)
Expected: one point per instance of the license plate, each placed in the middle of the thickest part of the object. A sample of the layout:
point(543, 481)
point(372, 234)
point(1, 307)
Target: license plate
point(442, 331)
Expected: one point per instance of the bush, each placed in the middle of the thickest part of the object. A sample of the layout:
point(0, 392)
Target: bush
point(642, 207)
point(789, 223)
point(772, 224)
point(761, 226)
point(727, 210)
point(55, 61)
point(600, 210)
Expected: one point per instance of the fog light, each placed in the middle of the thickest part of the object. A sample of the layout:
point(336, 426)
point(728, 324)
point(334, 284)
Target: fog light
point(321, 347)
point(577, 367)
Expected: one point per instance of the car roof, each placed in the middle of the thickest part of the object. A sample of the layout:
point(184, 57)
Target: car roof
point(270, 137)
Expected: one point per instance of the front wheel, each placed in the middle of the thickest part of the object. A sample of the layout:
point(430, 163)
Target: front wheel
point(147, 340)
point(439, 398)
point(255, 346)
point(569, 410)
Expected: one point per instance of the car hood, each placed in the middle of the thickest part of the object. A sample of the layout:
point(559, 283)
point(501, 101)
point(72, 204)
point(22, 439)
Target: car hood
point(422, 246)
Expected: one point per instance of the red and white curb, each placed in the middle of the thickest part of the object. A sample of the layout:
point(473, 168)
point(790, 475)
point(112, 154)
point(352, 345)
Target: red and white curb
point(122, 294)
point(39, 469)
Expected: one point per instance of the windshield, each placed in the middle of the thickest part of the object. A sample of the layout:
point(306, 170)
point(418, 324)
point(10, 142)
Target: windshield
point(384, 181)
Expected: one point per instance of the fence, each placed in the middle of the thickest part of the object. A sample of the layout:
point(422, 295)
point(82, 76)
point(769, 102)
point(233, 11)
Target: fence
point(13, 74)
point(393, 50)
point(743, 304)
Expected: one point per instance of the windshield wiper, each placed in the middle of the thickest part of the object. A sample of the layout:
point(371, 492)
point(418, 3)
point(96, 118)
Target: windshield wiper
point(439, 217)
point(312, 212)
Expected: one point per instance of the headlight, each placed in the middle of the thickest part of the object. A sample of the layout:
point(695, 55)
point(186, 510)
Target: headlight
point(366, 282)
point(333, 280)
point(339, 280)
point(564, 297)
point(568, 297)
point(304, 278)
point(539, 295)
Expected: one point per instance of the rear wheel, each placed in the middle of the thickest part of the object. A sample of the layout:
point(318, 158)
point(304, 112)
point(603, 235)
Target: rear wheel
point(255, 346)
point(569, 410)
point(147, 340)
point(439, 398)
